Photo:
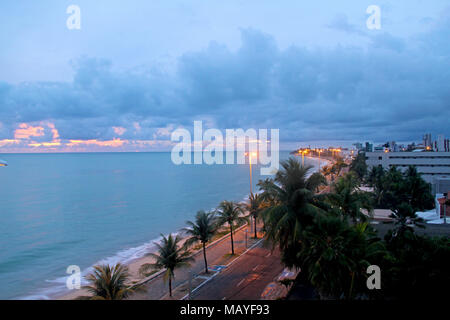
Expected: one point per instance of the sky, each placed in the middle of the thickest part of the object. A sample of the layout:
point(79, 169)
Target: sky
point(137, 70)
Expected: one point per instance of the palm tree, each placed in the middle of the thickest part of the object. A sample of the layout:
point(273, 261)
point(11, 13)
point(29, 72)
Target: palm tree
point(170, 256)
point(376, 179)
point(403, 216)
point(337, 167)
point(417, 190)
point(108, 283)
point(323, 256)
point(335, 256)
point(349, 199)
point(254, 207)
point(294, 202)
point(202, 230)
point(230, 212)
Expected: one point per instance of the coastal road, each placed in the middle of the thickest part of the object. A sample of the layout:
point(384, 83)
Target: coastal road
point(245, 279)
point(157, 289)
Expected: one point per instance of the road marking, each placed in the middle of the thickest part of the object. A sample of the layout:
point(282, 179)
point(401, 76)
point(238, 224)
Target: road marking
point(226, 266)
point(240, 282)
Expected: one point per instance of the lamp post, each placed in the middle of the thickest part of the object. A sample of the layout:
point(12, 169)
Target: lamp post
point(319, 159)
point(250, 155)
point(303, 157)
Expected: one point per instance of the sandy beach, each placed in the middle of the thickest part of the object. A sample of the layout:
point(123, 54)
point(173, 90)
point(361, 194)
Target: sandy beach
point(134, 266)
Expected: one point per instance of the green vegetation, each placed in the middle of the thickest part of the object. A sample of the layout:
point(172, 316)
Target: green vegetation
point(108, 283)
point(231, 213)
point(202, 230)
point(170, 256)
point(348, 199)
point(393, 187)
point(329, 238)
point(359, 166)
point(255, 206)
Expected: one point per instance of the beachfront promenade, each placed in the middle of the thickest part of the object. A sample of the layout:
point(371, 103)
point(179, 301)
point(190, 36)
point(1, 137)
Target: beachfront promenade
point(257, 266)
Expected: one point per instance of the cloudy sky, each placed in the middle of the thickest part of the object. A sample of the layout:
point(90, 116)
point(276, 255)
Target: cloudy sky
point(137, 70)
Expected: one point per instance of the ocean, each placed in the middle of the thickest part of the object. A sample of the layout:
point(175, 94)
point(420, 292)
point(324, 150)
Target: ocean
point(58, 210)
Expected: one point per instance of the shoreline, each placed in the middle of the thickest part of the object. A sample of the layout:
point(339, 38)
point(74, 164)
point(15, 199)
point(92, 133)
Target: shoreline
point(135, 264)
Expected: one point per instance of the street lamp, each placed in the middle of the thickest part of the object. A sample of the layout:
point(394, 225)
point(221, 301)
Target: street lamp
point(250, 155)
point(303, 156)
point(320, 150)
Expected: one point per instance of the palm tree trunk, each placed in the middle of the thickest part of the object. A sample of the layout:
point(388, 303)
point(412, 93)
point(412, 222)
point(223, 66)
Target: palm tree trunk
point(256, 234)
point(170, 286)
point(351, 286)
point(232, 244)
point(204, 256)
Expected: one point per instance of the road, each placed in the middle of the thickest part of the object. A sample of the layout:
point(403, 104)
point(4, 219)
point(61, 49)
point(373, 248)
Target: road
point(245, 279)
point(217, 255)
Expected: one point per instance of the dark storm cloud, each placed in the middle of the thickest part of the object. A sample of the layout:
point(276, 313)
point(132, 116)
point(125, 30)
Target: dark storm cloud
point(393, 88)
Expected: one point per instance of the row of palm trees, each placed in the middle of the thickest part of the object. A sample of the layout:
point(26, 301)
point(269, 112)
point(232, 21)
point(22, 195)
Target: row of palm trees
point(109, 283)
point(319, 233)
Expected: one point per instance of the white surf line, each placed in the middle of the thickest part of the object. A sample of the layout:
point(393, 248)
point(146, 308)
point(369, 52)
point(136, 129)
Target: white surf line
point(160, 272)
point(229, 264)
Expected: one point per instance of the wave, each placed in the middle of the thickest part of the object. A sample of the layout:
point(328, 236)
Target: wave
point(125, 256)
point(58, 286)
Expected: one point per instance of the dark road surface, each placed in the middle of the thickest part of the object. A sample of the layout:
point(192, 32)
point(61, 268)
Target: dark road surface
point(245, 279)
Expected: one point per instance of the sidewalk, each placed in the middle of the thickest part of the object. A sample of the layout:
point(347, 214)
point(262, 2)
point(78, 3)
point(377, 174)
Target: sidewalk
point(218, 254)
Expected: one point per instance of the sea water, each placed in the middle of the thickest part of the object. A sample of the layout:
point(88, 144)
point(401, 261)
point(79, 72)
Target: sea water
point(58, 210)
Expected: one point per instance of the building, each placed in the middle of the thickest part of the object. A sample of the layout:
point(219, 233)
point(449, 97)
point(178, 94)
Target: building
point(358, 146)
point(428, 144)
point(441, 144)
point(441, 185)
point(434, 166)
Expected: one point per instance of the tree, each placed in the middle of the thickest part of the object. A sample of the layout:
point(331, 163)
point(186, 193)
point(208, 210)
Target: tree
point(230, 212)
point(418, 267)
point(323, 256)
point(349, 199)
point(108, 283)
point(202, 230)
point(337, 167)
point(170, 256)
point(254, 207)
point(326, 171)
point(393, 187)
point(359, 166)
point(335, 256)
point(376, 180)
point(404, 216)
point(418, 190)
point(294, 205)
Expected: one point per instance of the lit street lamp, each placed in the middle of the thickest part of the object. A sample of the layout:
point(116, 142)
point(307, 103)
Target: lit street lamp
point(250, 155)
point(303, 156)
point(319, 158)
